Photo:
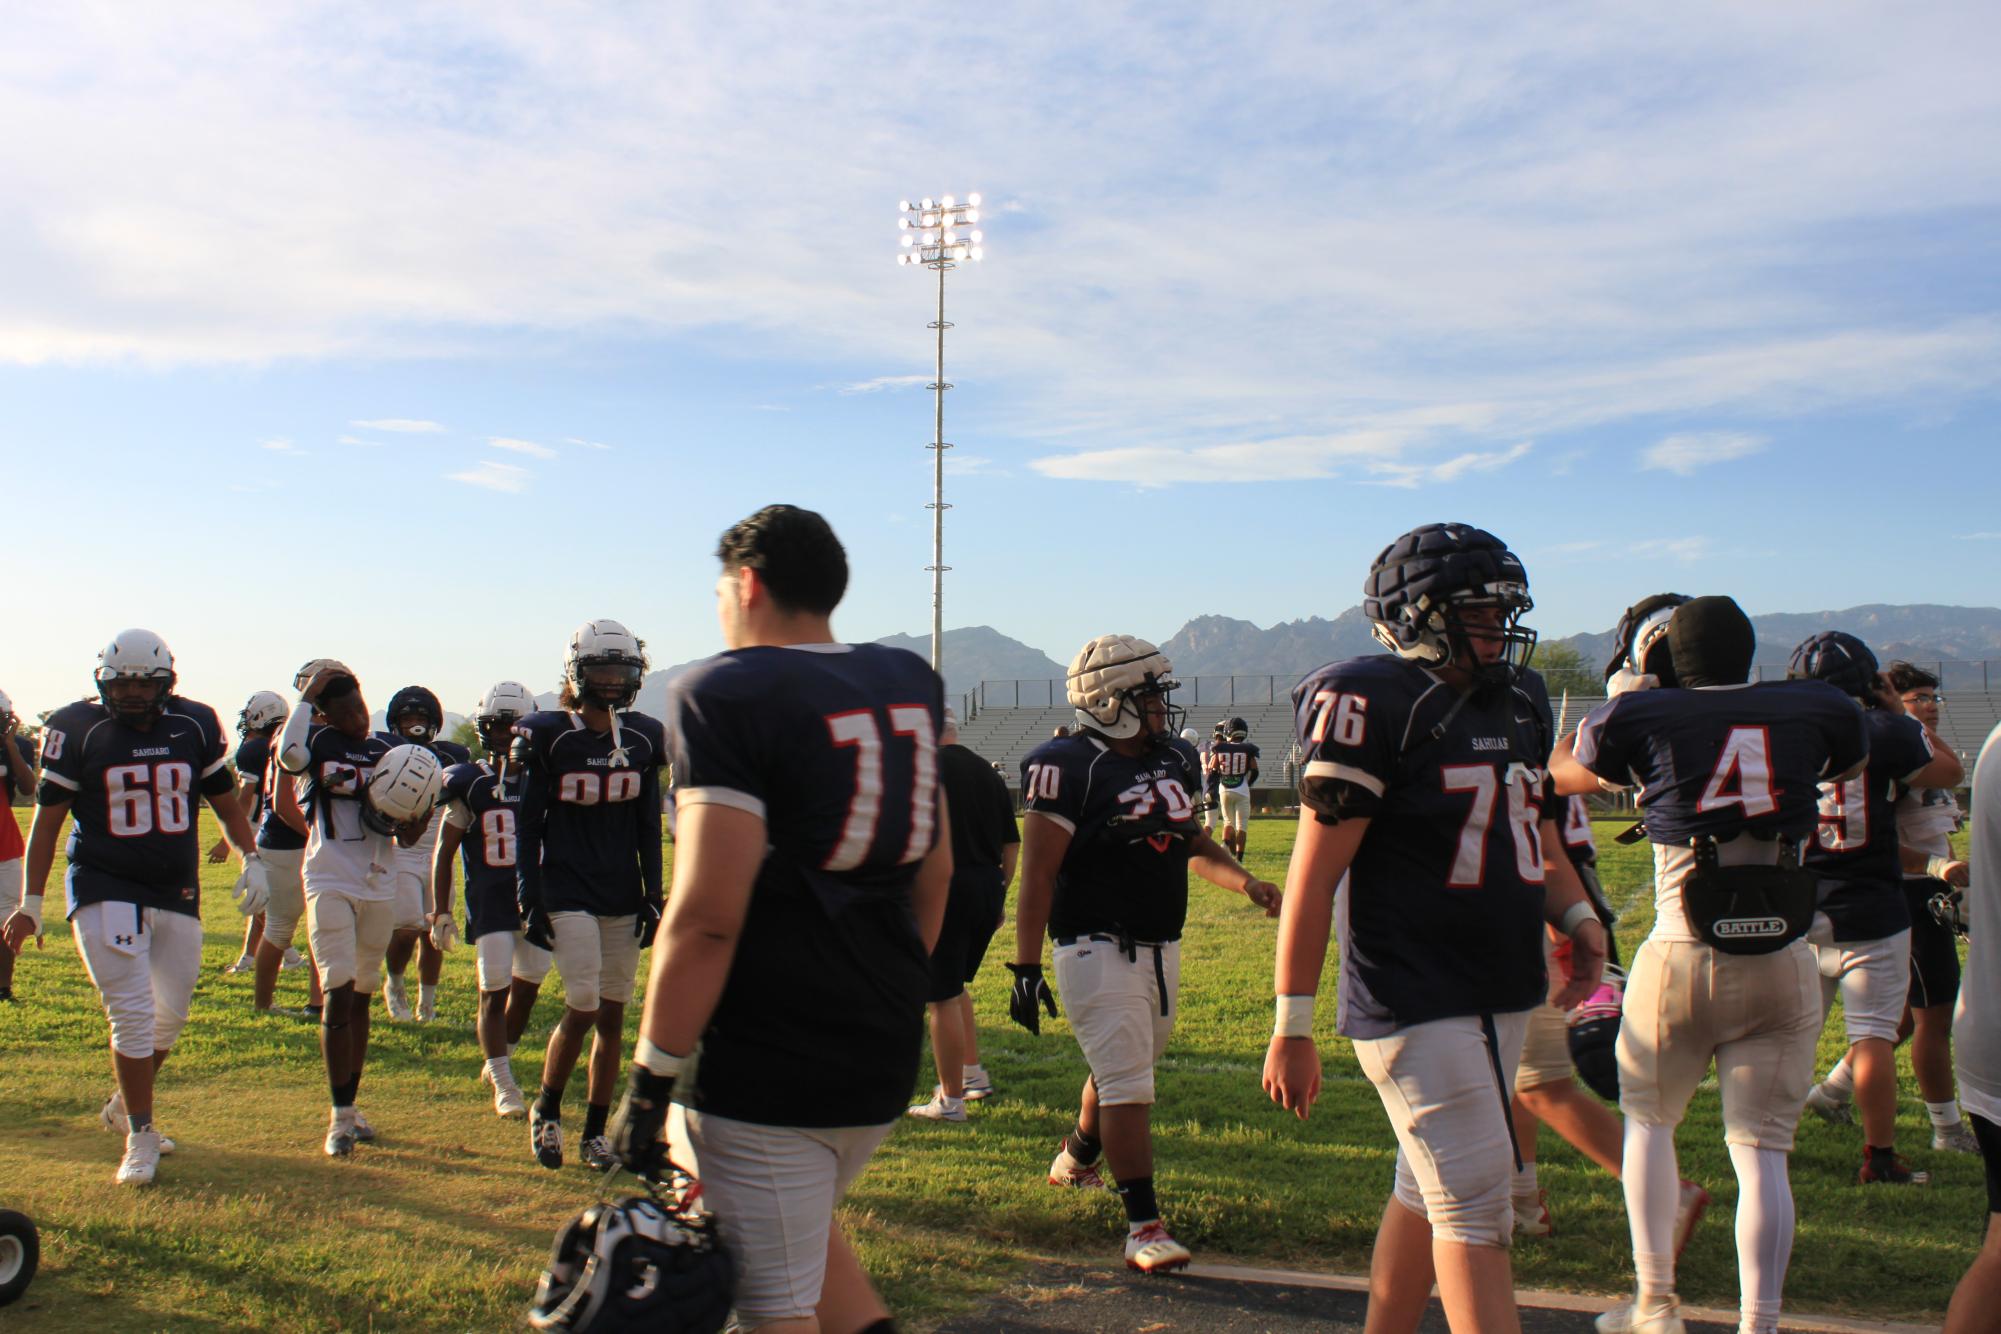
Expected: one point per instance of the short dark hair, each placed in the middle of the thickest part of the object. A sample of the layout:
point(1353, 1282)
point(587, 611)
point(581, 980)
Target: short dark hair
point(1907, 676)
point(338, 687)
point(794, 552)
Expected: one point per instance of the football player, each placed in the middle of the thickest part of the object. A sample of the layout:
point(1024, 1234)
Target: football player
point(587, 876)
point(1926, 821)
point(1233, 762)
point(1864, 947)
point(1212, 783)
point(358, 810)
point(280, 849)
point(17, 776)
point(1108, 839)
point(246, 796)
point(806, 781)
point(1976, 1035)
point(132, 766)
point(1726, 774)
point(416, 718)
point(1425, 800)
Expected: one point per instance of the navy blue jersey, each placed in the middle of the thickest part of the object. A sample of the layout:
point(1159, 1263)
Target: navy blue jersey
point(134, 794)
point(1857, 853)
point(1211, 781)
point(1114, 879)
point(590, 814)
point(1578, 843)
point(1720, 762)
point(1441, 913)
point(1234, 764)
point(448, 752)
point(257, 763)
point(14, 785)
point(479, 803)
point(835, 747)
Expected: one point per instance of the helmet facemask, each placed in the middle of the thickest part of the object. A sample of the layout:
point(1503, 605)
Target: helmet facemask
point(137, 709)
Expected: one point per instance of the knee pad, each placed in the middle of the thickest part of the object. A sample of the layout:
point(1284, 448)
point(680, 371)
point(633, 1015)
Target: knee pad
point(280, 930)
point(131, 1032)
point(166, 1028)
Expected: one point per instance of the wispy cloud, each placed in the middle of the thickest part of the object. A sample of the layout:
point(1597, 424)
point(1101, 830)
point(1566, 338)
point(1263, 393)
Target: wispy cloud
point(1684, 454)
point(1447, 470)
point(882, 382)
point(585, 444)
point(280, 445)
point(360, 443)
point(400, 425)
point(1980, 537)
point(1684, 549)
point(493, 475)
point(528, 447)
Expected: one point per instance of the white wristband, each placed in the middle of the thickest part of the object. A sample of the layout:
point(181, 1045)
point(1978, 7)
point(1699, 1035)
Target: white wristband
point(1936, 867)
point(1576, 915)
point(1295, 1017)
point(658, 1061)
point(31, 904)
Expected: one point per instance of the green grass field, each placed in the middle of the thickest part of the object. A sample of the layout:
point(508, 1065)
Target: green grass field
point(443, 1225)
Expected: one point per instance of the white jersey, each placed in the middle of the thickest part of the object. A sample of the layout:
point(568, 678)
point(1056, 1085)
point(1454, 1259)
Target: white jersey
point(1927, 818)
point(1976, 1022)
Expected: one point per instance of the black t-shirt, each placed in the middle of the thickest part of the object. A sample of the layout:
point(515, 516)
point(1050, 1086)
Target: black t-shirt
point(1857, 852)
point(981, 811)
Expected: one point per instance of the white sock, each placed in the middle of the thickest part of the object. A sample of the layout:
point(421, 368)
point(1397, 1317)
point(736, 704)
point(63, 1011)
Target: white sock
point(427, 993)
point(1653, 1193)
point(343, 1116)
point(970, 1070)
point(501, 1070)
point(1764, 1234)
point(1525, 1182)
point(1944, 1115)
point(1840, 1082)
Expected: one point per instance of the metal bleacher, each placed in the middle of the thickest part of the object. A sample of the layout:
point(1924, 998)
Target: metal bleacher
point(1010, 718)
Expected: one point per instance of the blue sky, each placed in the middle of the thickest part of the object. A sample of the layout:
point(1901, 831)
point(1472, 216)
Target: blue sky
point(417, 335)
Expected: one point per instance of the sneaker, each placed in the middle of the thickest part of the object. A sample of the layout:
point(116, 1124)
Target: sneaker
point(1067, 1171)
point(1829, 1108)
point(942, 1107)
point(979, 1086)
point(142, 1158)
point(363, 1131)
point(508, 1100)
point(545, 1137)
point(1151, 1251)
point(293, 961)
point(1687, 1213)
point(340, 1140)
point(427, 1010)
point(1955, 1138)
point(1532, 1215)
point(112, 1117)
point(396, 999)
point(1622, 1319)
point(7, 996)
point(598, 1156)
point(1896, 1172)
point(244, 963)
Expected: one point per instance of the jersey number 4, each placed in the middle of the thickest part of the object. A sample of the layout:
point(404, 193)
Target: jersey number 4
point(140, 798)
point(1742, 776)
point(858, 728)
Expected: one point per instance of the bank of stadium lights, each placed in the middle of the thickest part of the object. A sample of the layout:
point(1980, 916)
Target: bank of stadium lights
point(939, 234)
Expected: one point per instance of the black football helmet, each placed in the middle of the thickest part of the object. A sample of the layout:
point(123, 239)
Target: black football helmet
point(415, 700)
point(1421, 585)
point(1841, 660)
point(1238, 729)
point(1594, 1036)
point(640, 1264)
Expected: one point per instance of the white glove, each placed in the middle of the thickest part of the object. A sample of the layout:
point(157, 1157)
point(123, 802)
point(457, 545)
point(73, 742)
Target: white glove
point(444, 932)
point(253, 888)
point(1627, 679)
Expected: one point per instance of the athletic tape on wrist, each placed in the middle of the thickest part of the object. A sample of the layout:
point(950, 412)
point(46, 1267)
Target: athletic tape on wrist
point(31, 904)
point(1576, 915)
point(1295, 1017)
point(658, 1061)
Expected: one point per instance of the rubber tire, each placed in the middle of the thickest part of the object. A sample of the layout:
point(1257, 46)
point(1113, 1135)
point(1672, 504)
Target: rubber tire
point(17, 1228)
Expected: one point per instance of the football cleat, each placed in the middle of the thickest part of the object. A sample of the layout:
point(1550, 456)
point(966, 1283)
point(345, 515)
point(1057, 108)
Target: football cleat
point(1955, 1138)
point(545, 1137)
point(1067, 1171)
point(396, 998)
point(363, 1132)
point(1625, 1319)
point(427, 1008)
point(1893, 1172)
point(598, 1156)
point(1828, 1108)
point(293, 961)
point(1151, 1251)
point(112, 1117)
point(244, 963)
point(941, 1107)
point(142, 1158)
point(979, 1086)
point(508, 1100)
point(1532, 1215)
point(1688, 1212)
point(340, 1141)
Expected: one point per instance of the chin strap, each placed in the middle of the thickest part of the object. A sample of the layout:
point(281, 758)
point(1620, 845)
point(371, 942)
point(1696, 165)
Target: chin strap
point(619, 758)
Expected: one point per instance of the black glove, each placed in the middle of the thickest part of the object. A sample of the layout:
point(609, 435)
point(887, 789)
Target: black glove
point(635, 1128)
point(1029, 990)
point(536, 927)
point(647, 924)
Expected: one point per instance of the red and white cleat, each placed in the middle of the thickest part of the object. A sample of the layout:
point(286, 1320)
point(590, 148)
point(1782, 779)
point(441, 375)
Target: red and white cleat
point(1151, 1251)
point(1067, 1171)
point(1532, 1215)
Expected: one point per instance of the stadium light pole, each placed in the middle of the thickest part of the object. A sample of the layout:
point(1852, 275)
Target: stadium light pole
point(939, 234)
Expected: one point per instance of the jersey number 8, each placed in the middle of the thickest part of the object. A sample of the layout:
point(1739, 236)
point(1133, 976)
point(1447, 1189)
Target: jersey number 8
point(134, 811)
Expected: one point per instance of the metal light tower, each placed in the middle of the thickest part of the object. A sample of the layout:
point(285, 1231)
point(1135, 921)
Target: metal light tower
point(938, 233)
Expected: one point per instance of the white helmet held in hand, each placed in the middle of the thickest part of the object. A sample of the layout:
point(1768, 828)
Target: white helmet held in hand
point(1108, 677)
point(403, 788)
point(265, 709)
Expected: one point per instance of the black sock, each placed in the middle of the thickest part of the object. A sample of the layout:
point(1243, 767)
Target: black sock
point(1084, 1148)
point(549, 1104)
point(595, 1115)
point(882, 1326)
point(1141, 1207)
point(341, 1097)
point(1881, 1157)
point(346, 1092)
point(136, 1124)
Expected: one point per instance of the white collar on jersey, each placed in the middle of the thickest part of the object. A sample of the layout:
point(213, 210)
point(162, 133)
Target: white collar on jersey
point(820, 648)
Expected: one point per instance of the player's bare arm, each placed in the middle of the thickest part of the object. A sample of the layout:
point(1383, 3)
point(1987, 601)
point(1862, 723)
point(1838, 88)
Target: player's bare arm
point(1320, 857)
point(1568, 908)
point(1571, 778)
point(1043, 843)
point(26, 920)
point(449, 838)
point(716, 859)
point(934, 882)
point(1213, 862)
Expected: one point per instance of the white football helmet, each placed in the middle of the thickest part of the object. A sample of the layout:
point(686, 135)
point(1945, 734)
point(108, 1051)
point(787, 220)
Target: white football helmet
point(265, 709)
point(403, 788)
point(1108, 676)
point(304, 676)
point(503, 705)
point(136, 655)
point(595, 647)
point(6, 704)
